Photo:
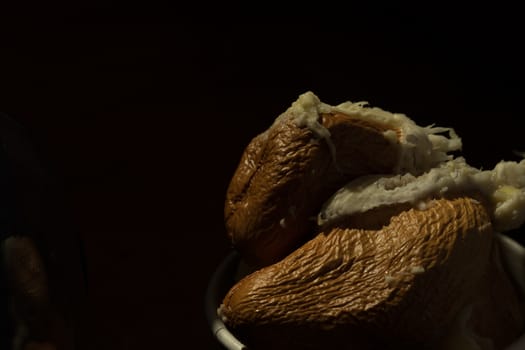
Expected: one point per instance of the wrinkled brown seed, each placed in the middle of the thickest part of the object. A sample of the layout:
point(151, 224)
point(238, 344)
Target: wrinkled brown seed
point(286, 173)
point(404, 284)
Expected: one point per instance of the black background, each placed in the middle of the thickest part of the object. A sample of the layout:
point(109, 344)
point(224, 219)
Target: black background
point(141, 114)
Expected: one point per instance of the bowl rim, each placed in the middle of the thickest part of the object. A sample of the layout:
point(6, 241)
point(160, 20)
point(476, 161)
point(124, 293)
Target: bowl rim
point(217, 288)
point(223, 278)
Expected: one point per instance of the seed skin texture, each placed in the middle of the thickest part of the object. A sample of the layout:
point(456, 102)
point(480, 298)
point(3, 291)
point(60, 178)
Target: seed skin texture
point(399, 280)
